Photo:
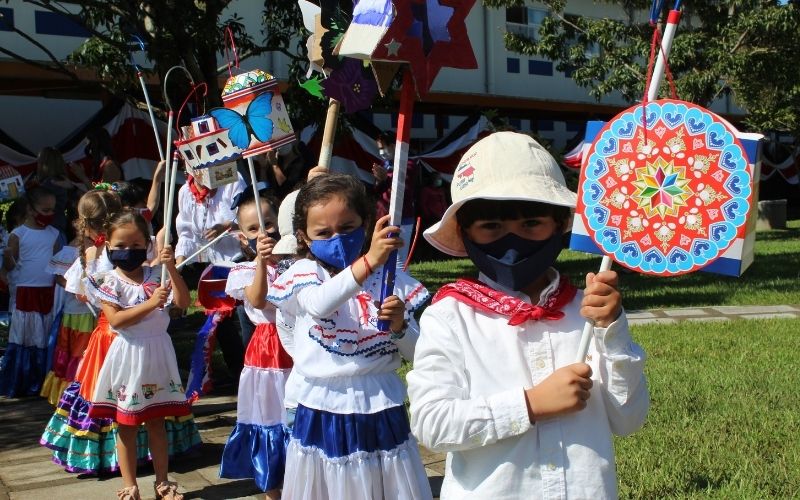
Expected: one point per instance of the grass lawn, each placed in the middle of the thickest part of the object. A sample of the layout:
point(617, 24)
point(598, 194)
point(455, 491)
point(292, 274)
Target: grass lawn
point(723, 420)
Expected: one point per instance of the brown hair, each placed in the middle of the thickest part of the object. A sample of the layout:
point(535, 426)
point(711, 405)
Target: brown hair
point(95, 209)
point(128, 216)
point(321, 189)
point(50, 164)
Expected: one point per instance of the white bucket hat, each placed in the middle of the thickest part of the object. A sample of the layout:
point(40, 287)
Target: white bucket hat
point(287, 245)
point(502, 166)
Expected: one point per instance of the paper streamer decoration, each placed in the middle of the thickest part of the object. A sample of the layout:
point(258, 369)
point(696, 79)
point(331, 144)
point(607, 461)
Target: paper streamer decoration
point(218, 306)
point(669, 189)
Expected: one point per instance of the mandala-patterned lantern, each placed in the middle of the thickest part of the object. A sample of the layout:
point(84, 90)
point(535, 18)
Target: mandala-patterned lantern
point(667, 189)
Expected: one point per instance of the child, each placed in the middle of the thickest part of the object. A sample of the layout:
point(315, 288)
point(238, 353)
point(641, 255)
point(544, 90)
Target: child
point(80, 443)
point(30, 246)
point(139, 381)
point(351, 436)
point(257, 446)
point(203, 215)
point(494, 382)
point(77, 323)
point(15, 217)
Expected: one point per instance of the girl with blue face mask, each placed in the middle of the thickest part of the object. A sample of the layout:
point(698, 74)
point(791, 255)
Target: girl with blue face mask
point(351, 433)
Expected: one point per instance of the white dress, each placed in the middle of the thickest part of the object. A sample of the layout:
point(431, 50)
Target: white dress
point(256, 447)
point(24, 365)
point(139, 380)
point(351, 436)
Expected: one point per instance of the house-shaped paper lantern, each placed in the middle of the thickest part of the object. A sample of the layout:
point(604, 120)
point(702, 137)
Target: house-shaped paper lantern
point(11, 186)
point(208, 153)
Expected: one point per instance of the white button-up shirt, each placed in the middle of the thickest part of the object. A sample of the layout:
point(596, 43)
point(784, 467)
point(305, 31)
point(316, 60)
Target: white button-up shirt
point(467, 398)
point(194, 219)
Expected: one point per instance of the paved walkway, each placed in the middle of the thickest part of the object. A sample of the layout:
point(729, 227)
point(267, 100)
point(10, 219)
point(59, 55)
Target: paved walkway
point(27, 473)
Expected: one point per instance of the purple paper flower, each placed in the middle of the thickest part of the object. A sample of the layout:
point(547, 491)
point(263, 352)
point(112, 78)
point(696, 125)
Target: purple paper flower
point(352, 84)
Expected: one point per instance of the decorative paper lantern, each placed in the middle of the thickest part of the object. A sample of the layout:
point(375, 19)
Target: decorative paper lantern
point(669, 190)
point(211, 289)
point(254, 115)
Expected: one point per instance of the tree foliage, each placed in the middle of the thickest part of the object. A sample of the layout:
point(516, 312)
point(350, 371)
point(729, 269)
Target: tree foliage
point(189, 33)
point(749, 49)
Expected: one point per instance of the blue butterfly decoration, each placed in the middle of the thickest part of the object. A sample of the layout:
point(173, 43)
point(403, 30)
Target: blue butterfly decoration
point(254, 122)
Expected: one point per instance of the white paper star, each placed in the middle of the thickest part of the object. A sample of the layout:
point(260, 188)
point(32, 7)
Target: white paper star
point(393, 47)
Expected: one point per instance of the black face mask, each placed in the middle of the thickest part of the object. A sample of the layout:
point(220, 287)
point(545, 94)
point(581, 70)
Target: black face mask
point(128, 259)
point(513, 261)
point(252, 242)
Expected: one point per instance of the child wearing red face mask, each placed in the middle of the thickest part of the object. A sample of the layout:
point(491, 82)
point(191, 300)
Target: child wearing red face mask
point(495, 383)
point(30, 247)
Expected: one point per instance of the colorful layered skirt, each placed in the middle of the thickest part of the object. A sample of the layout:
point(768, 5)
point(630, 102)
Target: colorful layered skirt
point(73, 337)
point(88, 445)
point(256, 447)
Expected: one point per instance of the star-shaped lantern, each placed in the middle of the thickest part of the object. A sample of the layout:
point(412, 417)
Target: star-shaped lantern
point(427, 34)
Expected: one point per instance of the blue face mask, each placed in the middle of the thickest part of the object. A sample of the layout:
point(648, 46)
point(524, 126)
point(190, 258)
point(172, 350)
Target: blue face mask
point(341, 250)
point(513, 261)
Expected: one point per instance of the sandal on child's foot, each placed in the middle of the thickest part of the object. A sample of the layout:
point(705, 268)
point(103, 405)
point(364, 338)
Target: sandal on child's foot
point(167, 490)
point(129, 493)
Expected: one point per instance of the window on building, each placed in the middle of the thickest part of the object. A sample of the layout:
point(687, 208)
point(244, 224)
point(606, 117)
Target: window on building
point(512, 65)
point(53, 23)
point(188, 154)
point(6, 19)
point(212, 148)
point(202, 127)
point(525, 21)
point(543, 68)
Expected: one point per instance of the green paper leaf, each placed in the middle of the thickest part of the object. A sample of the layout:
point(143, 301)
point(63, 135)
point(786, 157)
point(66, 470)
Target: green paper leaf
point(313, 87)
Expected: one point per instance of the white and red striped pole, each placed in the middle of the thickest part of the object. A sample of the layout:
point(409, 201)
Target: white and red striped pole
point(652, 93)
point(398, 182)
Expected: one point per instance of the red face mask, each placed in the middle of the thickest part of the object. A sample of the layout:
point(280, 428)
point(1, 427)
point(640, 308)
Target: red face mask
point(146, 214)
point(44, 220)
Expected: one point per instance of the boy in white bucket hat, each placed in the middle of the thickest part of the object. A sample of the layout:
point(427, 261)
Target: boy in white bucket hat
point(494, 380)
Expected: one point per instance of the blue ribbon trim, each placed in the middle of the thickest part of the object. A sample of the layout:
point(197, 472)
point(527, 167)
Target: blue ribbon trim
point(340, 435)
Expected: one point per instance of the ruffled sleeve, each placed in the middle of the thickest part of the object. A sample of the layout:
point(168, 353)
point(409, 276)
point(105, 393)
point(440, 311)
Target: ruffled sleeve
point(410, 291)
point(104, 287)
point(186, 244)
point(283, 291)
point(240, 277)
point(74, 277)
point(62, 261)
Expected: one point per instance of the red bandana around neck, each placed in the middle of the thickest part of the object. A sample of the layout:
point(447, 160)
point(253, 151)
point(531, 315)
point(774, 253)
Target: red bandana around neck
point(199, 192)
point(486, 299)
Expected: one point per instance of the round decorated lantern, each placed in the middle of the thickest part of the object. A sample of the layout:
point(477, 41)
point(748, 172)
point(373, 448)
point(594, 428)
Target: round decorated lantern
point(666, 188)
point(254, 115)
